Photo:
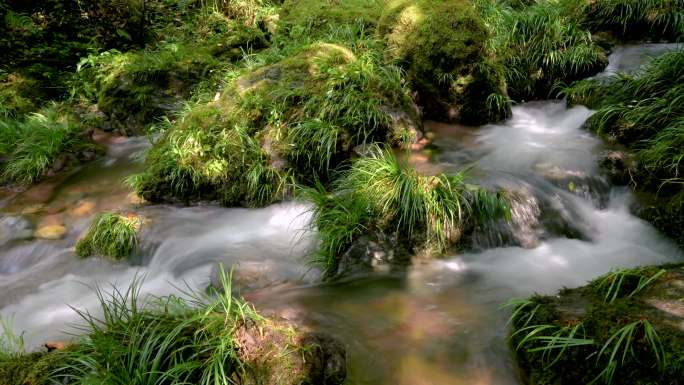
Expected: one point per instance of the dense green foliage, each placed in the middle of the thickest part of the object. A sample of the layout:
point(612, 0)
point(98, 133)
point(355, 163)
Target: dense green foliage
point(607, 332)
point(166, 340)
point(637, 19)
point(298, 114)
point(110, 235)
point(319, 16)
point(30, 146)
point(644, 111)
point(541, 44)
point(381, 194)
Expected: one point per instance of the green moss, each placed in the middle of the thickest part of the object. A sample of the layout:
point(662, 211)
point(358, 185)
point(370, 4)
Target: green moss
point(30, 369)
point(133, 88)
point(324, 14)
point(111, 235)
point(441, 43)
point(654, 341)
point(245, 147)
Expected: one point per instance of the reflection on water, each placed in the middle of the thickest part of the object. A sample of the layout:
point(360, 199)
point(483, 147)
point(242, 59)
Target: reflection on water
point(437, 323)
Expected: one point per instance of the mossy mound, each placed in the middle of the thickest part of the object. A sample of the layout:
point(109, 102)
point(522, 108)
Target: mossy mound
point(441, 43)
point(135, 87)
point(296, 118)
point(30, 369)
point(110, 235)
point(626, 327)
point(319, 15)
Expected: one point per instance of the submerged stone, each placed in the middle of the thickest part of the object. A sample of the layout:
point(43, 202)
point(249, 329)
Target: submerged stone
point(51, 232)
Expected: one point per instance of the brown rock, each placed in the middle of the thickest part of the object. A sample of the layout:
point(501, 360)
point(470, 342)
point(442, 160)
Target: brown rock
point(52, 232)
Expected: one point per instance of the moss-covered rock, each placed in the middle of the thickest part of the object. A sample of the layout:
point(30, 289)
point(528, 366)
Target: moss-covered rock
point(275, 353)
point(133, 88)
point(297, 117)
point(441, 43)
point(111, 235)
point(30, 369)
point(626, 327)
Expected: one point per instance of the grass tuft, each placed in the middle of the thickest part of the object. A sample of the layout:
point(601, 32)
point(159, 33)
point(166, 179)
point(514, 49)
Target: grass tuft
point(379, 193)
point(112, 235)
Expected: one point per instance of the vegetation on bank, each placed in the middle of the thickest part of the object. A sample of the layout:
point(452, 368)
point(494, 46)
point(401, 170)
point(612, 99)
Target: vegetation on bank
point(200, 339)
point(44, 141)
point(645, 112)
point(615, 330)
point(110, 235)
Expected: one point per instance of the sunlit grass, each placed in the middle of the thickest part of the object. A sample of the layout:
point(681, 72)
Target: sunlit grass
point(111, 235)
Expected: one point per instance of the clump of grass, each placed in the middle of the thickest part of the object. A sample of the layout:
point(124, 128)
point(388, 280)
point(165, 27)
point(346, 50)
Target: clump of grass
point(297, 113)
point(379, 193)
point(110, 234)
point(159, 340)
point(617, 282)
point(10, 343)
point(659, 19)
point(30, 146)
point(541, 44)
point(602, 333)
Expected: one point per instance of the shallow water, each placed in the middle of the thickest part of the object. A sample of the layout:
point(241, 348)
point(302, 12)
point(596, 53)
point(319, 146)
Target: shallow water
point(437, 323)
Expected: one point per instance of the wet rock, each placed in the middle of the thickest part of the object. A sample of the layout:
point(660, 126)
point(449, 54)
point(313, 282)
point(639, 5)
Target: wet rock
point(55, 345)
point(277, 354)
point(84, 208)
point(376, 252)
point(590, 187)
point(51, 232)
point(535, 216)
point(249, 276)
point(618, 165)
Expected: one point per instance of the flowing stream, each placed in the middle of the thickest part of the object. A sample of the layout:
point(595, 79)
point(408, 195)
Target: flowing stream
point(436, 323)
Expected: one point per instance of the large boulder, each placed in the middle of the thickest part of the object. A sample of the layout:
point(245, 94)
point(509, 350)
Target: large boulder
point(441, 43)
point(299, 116)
